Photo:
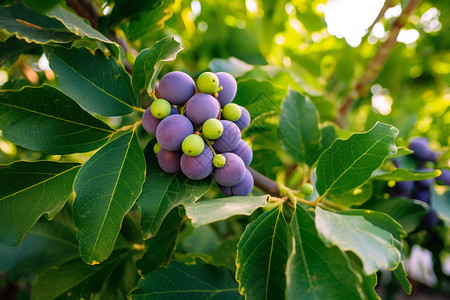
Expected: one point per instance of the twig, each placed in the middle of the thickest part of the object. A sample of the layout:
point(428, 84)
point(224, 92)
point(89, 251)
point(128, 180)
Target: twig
point(376, 65)
point(267, 185)
point(386, 6)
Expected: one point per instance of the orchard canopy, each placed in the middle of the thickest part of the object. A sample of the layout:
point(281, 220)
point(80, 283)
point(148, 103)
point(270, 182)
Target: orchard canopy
point(239, 149)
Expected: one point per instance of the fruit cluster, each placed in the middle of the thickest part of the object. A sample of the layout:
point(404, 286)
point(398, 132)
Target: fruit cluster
point(198, 130)
point(420, 190)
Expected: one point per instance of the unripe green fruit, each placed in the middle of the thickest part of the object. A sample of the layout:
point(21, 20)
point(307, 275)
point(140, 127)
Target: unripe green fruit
point(307, 189)
point(160, 108)
point(156, 148)
point(212, 129)
point(231, 112)
point(193, 145)
point(208, 82)
point(219, 161)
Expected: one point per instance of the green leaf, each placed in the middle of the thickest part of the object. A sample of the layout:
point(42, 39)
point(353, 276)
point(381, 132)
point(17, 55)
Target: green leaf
point(12, 48)
point(27, 191)
point(349, 163)
point(45, 119)
point(232, 65)
point(203, 240)
point(225, 254)
point(299, 128)
point(440, 202)
point(316, 271)
point(356, 196)
point(32, 26)
point(149, 62)
point(262, 256)
point(107, 186)
point(402, 277)
point(213, 210)
point(129, 9)
point(148, 22)
point(159, 248)
point(47, 244)
point(262, 99)
point(187, 281)
point(76, 25)
point(409, 213)
point(94, 79)
point(41, 5)
point(401, 151)
point(373, 236)
point(74, 278)
point(406, 175)
point(369, 282)
point(162, 192)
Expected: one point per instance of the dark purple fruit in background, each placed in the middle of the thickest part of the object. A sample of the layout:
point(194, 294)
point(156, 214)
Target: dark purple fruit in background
point(424, 184)
point(421, 150)
point(227, 94)
point(422, 195)
point(229, 139)
point(172, 131)
point(232, 173)
point(202, 107)
point(150, 123)
point(169, 161)
point(244, 120)
point(430, 219)
point(444, 178)
point(176, 87)
point(226, 190)
point(244, 187)
point(244, 151)
point(197, 167)
point(403, 188)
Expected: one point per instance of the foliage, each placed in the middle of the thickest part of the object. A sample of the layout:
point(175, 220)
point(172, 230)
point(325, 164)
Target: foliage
point(86, 212)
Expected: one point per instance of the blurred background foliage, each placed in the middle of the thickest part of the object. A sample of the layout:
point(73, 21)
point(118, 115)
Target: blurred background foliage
point(321, 48)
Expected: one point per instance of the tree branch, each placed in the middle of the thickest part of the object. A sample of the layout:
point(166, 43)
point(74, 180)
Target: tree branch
point(267, 185)
point(376, 65)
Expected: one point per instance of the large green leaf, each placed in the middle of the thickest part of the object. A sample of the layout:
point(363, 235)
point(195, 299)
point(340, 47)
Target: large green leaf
point(440, 202)
point(373, 236)
point(46, 119)
point(316, 271)
point(406, 175)
point(349, 163)
point(262, 99)
point(47, 244)
point(409, 213)
point(213, 210)
point(94, 79)
point(40, 5)
point(147, 23)
point(159, 248)
point(401, 151)
point(187, 281)
point(106, 187)
point(356, 196)
point(262, 256)
point(149, 62)
point(162, 192)
point(402, 277)
point(299, 128)
point(27, 191)
point(75, 279)
point(76, 25)
point(32, 26)
point(129, 9)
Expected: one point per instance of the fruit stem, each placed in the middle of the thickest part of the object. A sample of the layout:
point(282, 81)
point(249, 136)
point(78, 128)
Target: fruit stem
point(152, 94)
point(183, 108)
point(209, 143)
point(219, 89)
point(294, 199)
point(139, 109)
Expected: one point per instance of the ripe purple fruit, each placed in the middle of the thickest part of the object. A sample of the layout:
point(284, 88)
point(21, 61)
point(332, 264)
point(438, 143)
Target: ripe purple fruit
point(229, 139)
point(232, 173)
point(444, 178)
point(227, 94)
point(421, 150)
point(169, 161)
point(197, 167)
point(244, 120)
point(244, 187)
point(202, 107)
point(176, 87)
point(172, 131)
point(244, 151)
point(150, 123)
